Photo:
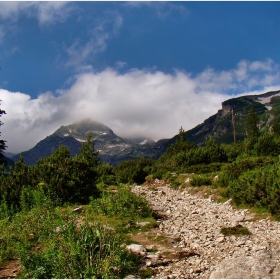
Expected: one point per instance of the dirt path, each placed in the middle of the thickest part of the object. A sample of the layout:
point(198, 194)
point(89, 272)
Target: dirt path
point(10, 270)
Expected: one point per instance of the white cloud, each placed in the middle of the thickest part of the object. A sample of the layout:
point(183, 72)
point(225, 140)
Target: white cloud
point(162, 9)
point(245, 76)
point(52, 11)
point(105, 29)
point(120, 64)
point(136, 103)
point(46, 12)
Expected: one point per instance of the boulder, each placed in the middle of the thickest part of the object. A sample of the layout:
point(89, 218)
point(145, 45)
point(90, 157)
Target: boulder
point(247, 267)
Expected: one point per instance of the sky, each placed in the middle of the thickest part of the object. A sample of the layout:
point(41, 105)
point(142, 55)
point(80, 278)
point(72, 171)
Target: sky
point(142, 68)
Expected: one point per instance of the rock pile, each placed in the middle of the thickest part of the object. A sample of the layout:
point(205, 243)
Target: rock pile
point(196, 224)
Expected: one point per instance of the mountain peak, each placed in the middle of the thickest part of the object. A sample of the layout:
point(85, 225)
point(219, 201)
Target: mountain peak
point(79, 130)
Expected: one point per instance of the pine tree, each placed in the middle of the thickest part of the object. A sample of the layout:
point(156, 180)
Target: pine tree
point(2, 142)
point(182, 135)
point(252, 124)
point(88, 152)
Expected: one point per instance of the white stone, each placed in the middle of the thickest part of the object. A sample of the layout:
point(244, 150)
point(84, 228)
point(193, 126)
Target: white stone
point(137, 249)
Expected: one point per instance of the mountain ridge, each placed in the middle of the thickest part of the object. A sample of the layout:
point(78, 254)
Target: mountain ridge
point(114, 149)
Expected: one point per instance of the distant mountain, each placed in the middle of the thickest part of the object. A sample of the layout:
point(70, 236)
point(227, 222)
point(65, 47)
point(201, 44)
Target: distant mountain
point(114, 149)
point(111, 148)
point(141, 140)
point(9, 155)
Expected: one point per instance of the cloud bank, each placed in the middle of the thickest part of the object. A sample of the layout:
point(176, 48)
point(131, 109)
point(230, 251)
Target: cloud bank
point(137, 103)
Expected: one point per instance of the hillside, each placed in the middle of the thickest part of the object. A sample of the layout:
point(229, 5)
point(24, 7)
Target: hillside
point(267, 107)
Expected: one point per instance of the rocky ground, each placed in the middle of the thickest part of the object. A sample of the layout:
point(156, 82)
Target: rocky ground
point(195, 225)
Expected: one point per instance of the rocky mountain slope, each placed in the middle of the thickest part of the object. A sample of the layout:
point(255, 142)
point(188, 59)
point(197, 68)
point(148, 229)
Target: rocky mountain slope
point(110, 146)
point(113, 149)
point(267, 107)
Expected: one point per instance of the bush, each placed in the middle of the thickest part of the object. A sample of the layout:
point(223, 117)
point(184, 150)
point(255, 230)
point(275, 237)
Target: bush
point(133, 171)
point(121, 203)
point(232, 171)
point(267, 145)
point(106, 175)
point(258, 188)
point(200, 180)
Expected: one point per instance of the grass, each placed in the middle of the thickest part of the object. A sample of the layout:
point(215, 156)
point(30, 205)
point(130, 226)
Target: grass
point(237, 231)
point(87, 251)
point(55, 242)
point(158, 238)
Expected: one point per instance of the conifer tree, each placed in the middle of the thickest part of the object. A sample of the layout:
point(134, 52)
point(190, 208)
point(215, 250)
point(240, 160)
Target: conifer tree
point(182, 135)
point(252, 124)
point(88, 152)
point(2, 142)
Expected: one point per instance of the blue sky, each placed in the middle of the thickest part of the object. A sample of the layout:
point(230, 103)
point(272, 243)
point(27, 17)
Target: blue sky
point(142, 68)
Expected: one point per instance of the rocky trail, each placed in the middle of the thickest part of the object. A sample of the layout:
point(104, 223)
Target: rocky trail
point(198, 249)
point(188, 243)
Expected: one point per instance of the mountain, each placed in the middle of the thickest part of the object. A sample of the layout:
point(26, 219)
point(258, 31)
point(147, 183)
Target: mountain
point(114, 149)
point(141, 140)
point(7, 162)
point(8, 155)
point(111, 148)
point(267, 107)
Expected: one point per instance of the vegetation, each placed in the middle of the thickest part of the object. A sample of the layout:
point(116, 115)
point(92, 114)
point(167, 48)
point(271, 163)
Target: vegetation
point(252, 124)
point(2, 142)
point(51, 244)
point(38, 226)
point(237, 231)
point(133, 171)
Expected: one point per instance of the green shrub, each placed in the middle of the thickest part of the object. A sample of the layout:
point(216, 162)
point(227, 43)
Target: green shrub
point(267, 145)
point(258, 188)
point(175, 185)
point(204, 168)
point(106, 174)
point(133, 171)
point(53, 243)
point(121, 203)
point(232, 171)
point(200, 180)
